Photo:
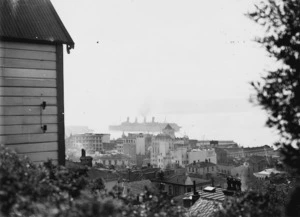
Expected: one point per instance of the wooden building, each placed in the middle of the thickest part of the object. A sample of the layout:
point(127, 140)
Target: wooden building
point(31, 79)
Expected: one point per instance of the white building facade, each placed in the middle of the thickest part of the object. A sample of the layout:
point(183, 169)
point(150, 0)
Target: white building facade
point(180, 156)
point(162, 145)
point(201, 155)
point(89, 141)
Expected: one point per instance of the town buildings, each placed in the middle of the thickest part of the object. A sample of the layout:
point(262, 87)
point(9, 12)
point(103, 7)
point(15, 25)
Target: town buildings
point(204, 169)
point(200, 155)
point(242, 152)
point(116, 160)
point(89, 141)
point(162, 145)
point(179, 184)
point(216, 143)
point(129, 146)
point(180, 156)
point(120, 148)
point(109, 146)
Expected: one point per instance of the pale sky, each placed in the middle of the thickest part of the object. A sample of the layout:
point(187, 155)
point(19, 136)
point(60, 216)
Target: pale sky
point(183, 61)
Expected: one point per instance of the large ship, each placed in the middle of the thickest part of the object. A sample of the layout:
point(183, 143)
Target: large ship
point(151, 127)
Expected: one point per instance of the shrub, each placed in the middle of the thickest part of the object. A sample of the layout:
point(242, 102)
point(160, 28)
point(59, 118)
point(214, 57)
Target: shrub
point(49, 190)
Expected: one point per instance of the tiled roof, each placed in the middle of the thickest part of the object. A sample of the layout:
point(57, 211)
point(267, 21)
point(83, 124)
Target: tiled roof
point(32, 20)
point(204, 208)
point(218, 195)
point(207, 203)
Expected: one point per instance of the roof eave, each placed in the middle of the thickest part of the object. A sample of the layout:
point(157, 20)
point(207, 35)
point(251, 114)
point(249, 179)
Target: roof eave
point(70, 45)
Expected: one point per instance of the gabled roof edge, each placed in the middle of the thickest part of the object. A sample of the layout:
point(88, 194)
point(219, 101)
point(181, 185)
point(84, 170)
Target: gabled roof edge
point(70, 44)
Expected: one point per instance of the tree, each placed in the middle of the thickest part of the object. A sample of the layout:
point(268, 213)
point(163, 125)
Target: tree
point(279, 94)
point(279, 91)
point(49, 190)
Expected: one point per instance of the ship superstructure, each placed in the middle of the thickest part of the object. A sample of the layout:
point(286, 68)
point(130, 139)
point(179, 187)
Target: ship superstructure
point(151, 127)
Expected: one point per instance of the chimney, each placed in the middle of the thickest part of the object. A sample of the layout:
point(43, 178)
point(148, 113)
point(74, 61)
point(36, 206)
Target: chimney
point(153, 119)
point(127, 119)
point(145, 120)
point(135, 120)
point(196, 195)
point(82, 153)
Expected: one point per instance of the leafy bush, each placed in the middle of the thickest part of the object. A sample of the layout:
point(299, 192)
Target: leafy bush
point(48, 190)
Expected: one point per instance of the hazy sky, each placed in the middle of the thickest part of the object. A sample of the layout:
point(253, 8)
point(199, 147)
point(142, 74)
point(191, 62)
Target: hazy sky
point(186, 61)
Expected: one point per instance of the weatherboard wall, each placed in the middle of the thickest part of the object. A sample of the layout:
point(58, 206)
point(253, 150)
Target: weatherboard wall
point(30, 74)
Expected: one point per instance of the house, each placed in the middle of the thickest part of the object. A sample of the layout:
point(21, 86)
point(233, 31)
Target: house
point(208, 203)
point(180, 156)
point(241, 152)
point(129, 146)
point(199, 155)
point(205, 169)
point(161, 156)
point(109, 146)
point(31, 79)
point(92, 142)
point(179, 184)
point(267, 173)
point(221, 155)
point(111, 178)
point(114, 159)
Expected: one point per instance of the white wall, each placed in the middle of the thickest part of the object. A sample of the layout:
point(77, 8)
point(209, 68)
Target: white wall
point(106, 138)
point(27, 78)
point(200, 155)
point(140, 145)
point(180, 156)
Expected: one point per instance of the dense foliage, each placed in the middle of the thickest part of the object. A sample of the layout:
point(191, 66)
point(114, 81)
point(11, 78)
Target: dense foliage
point(279, 91)
point(48, 190)
point(265, 198)
point(279, 94)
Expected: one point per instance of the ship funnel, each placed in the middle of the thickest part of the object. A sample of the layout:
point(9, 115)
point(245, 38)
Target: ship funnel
point(153, 119)
point(127, 119)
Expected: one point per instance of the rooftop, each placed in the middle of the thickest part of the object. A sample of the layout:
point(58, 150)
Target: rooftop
point(113, 156)
point(201, 164)
point(138, 187)
point(32, 21)
point(163, 137)
point(204, 208)
point(206, 204)
point(168, 127)
point(183, 179)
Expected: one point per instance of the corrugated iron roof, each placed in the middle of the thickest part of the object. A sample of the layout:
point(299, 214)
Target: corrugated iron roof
point(204, 208)
point(32, 20)
point(208, 203)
